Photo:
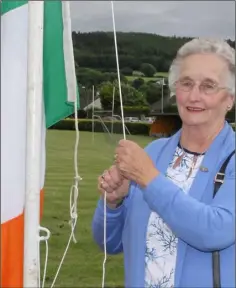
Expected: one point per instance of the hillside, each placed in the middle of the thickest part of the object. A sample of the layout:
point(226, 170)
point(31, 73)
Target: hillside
point(96, 50)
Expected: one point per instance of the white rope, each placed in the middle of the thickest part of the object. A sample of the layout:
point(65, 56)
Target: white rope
point(105, 242)
point(74, 194)
point(64, 255)
point(124, 137)
point(43, 238)
point(118, 71)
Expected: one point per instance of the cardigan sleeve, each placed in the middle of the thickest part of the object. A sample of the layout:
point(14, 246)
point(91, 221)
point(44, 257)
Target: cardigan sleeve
point(114, 227)
point(205, 227)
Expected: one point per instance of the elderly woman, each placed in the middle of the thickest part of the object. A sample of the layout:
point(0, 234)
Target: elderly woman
point(161, 209)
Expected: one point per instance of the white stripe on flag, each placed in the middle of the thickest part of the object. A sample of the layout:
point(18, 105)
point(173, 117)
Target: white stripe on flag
point(14, 27)
point(68, 53)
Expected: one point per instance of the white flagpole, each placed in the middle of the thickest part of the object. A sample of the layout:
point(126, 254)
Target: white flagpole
point(33, 152)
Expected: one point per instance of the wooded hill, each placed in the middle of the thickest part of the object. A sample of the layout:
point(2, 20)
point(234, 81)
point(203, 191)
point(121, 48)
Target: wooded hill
point(143, 58)
point(96, 50)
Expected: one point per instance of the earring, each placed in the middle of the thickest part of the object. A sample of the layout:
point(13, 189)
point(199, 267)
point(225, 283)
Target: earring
point(228, 107)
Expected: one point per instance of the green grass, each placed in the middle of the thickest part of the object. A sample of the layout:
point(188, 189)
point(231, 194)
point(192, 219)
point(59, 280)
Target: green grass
point(82, 266)
point(146, 79)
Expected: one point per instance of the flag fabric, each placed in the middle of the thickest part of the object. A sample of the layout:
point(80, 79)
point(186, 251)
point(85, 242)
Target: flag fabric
point(59, 82)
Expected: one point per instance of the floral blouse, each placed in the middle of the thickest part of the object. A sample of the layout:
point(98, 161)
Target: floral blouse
point(161, 243)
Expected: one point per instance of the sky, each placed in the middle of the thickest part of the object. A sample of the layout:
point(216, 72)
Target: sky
point(180, 18)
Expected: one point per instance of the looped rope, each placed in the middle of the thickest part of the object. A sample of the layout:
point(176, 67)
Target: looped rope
point(43, 238)
point(124, 137)
point(74, 193)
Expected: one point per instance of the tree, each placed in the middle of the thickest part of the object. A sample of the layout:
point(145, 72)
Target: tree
point(137, 83)
point(112, 76)
point(148, 69)
point(130, 96)
point(106, 95)
point(85, 96)
point(127, 71)
point(89, 77)
point(152, 92)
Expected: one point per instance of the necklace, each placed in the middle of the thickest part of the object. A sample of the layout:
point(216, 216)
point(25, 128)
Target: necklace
point(179, 160)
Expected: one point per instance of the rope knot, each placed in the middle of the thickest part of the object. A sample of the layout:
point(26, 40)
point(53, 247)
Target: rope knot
point(78, 178)
point(73, 215)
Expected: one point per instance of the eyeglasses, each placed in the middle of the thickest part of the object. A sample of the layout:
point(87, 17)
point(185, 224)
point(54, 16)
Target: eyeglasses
point(206, 87)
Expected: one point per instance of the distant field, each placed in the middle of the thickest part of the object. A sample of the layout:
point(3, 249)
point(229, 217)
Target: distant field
point(82, 266)
point(159, 74)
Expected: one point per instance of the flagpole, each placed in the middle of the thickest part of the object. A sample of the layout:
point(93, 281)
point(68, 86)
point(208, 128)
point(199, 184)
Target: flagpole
point(33, 149)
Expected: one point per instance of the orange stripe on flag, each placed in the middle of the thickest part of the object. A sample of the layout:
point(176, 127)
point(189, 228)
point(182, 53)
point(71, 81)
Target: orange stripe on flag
point(12, 250)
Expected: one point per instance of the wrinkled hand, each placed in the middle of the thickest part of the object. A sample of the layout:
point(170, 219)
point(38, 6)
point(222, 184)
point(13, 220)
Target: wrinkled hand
point(134, 163)
point(116, 186)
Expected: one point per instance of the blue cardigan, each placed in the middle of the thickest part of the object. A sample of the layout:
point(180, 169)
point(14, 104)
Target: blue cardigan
point(202, 224)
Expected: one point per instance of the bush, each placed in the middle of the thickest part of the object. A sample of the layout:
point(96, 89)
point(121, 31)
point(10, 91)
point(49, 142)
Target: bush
point(86, 125)
point(137, 74)
point(127, 71)
point(148, 69)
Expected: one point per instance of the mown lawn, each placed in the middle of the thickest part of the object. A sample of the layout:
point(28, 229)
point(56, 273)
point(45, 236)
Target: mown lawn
point(146, 79)
point(82, 266)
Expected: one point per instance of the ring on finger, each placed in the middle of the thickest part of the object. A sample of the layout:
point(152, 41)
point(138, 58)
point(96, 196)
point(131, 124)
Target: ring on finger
point(104, 174)
point(116, 158)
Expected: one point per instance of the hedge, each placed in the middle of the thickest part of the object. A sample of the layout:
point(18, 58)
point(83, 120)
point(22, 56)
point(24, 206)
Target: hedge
point(136, 128)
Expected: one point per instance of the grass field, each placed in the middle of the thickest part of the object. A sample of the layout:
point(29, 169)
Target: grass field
point(146, 79)
point(82, 266)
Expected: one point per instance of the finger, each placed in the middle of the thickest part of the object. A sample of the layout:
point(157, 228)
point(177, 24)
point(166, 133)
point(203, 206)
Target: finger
point(106, 187)
point(104, 173)
point(125, 143)
point(115, 175)
point(119, 151)
point(103, 186)
point(110, 181)
point(99, 182)
point(122, 142)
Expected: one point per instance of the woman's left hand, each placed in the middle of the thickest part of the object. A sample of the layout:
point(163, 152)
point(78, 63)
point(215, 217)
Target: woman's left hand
point(134, 163)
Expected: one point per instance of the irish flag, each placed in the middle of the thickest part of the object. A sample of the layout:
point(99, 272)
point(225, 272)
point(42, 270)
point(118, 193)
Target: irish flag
point(59, 84)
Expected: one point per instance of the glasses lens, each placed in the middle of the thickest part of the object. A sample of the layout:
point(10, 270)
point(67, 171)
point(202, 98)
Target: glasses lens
point(208, 88)
point(185, 85)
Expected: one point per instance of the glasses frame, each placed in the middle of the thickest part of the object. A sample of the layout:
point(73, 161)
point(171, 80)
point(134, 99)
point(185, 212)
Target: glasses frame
point(201, 88)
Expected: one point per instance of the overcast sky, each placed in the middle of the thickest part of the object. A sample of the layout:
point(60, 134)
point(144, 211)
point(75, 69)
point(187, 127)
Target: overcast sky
point(181, 18)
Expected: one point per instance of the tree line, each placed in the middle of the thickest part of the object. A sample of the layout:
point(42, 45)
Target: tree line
point(96, 50)
point(140, 55)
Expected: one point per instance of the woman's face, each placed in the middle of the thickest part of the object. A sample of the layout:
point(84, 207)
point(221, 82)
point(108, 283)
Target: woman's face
point(201, 94)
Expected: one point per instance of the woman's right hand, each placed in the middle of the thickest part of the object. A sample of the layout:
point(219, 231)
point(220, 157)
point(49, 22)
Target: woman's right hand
point(115, 186)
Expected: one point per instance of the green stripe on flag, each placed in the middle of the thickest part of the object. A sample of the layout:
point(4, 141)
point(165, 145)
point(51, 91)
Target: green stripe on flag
point(55, 87)
point(7, 5)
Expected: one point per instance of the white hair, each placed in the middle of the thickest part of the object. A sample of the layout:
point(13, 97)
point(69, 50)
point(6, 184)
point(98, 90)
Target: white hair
point(205, 46)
